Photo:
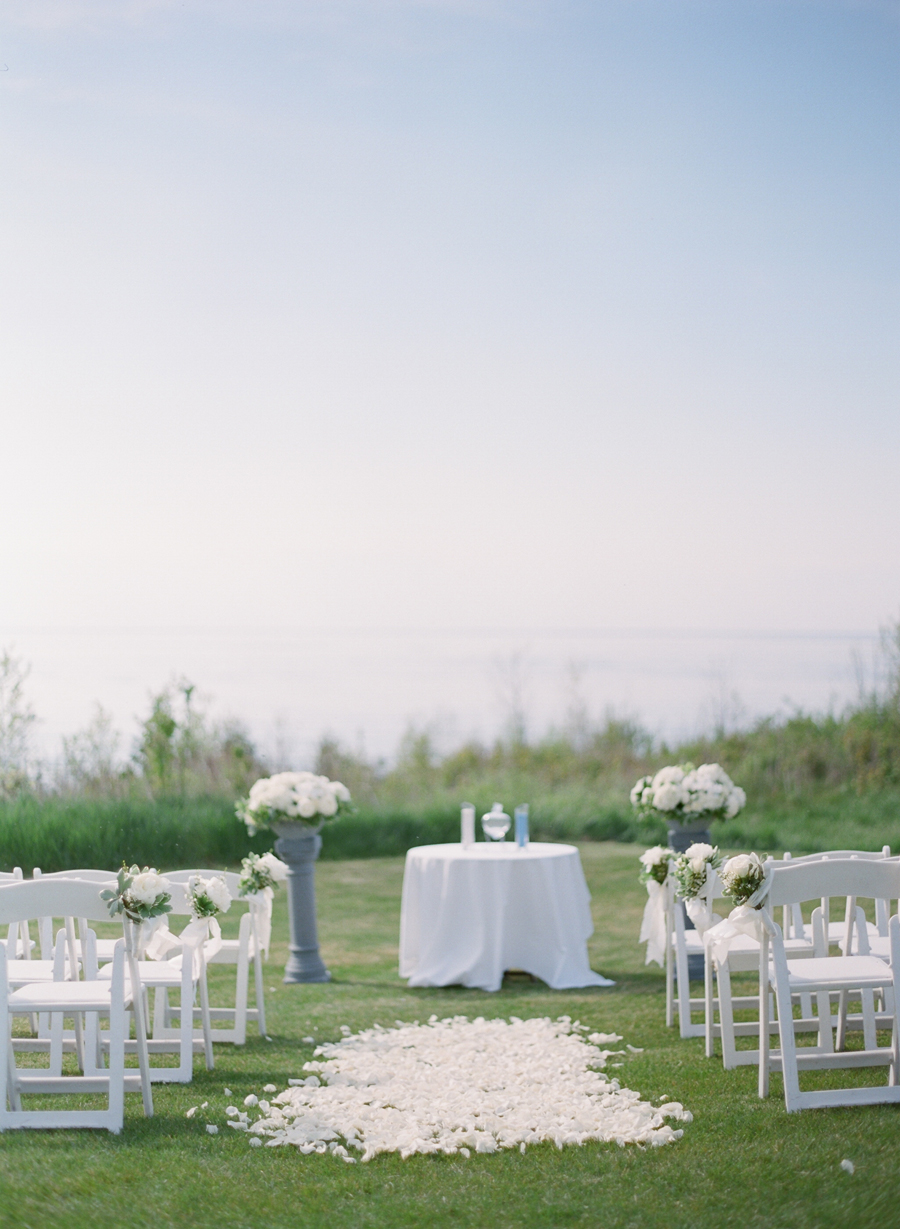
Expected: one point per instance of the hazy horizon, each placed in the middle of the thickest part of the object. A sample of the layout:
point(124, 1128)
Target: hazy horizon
point(422, 314)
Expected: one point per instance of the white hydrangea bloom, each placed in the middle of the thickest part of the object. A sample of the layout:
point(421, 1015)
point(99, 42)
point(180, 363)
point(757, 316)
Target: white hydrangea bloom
point(147, 887)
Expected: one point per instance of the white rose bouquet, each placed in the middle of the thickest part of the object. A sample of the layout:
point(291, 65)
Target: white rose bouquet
point(692, 867)
point(261, 871)
point(742, 877)
point(655, 864)
point(139, 894)
point(301, 796)
point(207, 897)
point(684, 793)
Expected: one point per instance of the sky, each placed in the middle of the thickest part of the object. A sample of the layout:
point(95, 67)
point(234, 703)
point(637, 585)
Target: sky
point(438, 315)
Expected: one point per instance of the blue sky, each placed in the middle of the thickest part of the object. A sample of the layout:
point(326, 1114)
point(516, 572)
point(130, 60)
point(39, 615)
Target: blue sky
point(574, 315)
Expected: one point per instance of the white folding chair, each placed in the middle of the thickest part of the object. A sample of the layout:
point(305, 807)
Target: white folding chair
point(184, 972)
point(822, 976)
point(682, 943)
point(92, 998)
point(104, 947)
point(251, 945)
point(841, 934)
point(743, 957)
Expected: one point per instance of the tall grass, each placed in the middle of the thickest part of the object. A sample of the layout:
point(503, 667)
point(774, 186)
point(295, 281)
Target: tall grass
point(812, 782)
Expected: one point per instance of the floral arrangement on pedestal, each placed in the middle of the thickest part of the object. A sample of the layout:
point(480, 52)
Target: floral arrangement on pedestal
point(684, 794)
point(301, 797)
point(261, 871)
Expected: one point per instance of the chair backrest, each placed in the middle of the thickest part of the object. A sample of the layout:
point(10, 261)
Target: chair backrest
point(839, 853)
point(86, 876)
point(232, 880)
point(30, 898)
point(795, 881)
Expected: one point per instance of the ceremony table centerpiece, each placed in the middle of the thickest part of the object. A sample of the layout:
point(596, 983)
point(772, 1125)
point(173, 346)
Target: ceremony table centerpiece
point(688, 799)
point(295, 805)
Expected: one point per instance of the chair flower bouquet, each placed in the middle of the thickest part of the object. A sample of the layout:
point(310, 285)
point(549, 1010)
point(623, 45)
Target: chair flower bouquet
point(141, 895)
point(261, 871)
point(293, 797)
point(691, 871)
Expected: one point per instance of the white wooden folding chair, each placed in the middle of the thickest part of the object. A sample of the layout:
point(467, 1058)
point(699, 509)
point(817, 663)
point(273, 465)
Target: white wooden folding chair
point(184, 972)
point(743, 958)
point(840, 934)
point(251, 945)
point(91, 997)
point(824, 975)
point(682, 943)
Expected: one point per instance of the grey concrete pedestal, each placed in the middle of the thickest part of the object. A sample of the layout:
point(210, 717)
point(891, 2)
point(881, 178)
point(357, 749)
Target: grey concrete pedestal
point(299, 846)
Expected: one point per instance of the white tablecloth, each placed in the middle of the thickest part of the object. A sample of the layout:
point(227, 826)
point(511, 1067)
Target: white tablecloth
point(469, 914)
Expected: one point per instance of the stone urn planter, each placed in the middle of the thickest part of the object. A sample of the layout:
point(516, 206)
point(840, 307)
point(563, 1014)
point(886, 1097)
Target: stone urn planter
point(298, 845)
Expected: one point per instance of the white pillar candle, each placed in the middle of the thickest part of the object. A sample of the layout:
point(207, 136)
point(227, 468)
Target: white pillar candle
point(467, 823)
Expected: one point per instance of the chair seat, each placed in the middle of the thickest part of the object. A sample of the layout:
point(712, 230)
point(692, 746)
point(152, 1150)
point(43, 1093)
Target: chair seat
point(837, 973)
point(24, 972)
point(73, 995)
point(152, 973)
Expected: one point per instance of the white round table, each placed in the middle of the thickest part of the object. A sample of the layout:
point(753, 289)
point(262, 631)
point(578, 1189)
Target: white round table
point(468, 914)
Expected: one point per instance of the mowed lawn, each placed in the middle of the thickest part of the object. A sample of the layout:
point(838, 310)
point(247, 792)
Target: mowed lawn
point(741, 1162)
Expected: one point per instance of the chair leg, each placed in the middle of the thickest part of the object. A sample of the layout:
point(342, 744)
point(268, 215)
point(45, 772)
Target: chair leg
point(763, 1087)
point(116, 1067)
point(260, 994)
point(709, 1007)
point(240, 998)
point(670, 988)
point(56, 1043)
point(204, 1016)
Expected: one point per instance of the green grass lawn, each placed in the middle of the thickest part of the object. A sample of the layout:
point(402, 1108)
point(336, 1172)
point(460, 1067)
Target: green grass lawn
point(741, 1162)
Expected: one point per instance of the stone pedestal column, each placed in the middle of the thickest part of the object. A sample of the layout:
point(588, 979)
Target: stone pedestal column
point(299, 846)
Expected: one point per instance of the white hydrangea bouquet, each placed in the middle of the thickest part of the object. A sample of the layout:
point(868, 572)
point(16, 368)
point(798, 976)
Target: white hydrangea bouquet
point(691, 872)
point(655, 864)
point(139, 894)
point(207, 897)
point(745, 878)
point(692, 867)
point(302, 797)
point(261, 871)
point(686, 794)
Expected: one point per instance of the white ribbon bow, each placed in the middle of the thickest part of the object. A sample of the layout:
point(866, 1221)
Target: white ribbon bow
point(202, 934)
point(653, 923)
point(700, 912)
point(743, 920)
point(261, 911)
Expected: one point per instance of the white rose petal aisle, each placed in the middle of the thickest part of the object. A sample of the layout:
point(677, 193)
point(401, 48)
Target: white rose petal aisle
point(456, 1086)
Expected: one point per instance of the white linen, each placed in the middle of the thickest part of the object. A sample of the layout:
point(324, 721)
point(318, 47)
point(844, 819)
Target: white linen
point(468, 914)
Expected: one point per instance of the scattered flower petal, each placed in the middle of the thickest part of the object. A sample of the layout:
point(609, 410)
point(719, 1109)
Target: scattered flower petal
point(252, 1099)
point(848, 1166)
point(270, 1088)
point(211, 1129)
point(456, 1087)
point(254, 1141)
point(227, 1092)
point(192, 1111)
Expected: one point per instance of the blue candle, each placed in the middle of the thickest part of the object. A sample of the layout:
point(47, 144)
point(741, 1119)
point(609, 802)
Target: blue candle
point(522, 825)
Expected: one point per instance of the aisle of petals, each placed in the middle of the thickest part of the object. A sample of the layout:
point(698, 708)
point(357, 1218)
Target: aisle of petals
point(458, 1087)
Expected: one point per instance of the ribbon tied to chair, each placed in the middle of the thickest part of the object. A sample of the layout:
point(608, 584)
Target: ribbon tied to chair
point(744, 919)
point(653, 924)
point(203, 936)
point(261, 910)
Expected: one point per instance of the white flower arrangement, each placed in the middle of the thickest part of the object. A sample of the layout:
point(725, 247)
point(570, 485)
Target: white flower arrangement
point(742, 877)
point(260, 871)
point(692, 866)
point(655, 864)
point(207, 897)
point(141, 894)
point(301, 796)
point(684, 793)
